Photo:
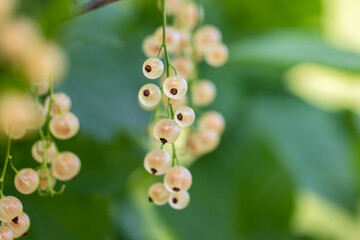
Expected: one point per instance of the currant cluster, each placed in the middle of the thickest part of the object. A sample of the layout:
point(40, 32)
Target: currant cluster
point(184, 45)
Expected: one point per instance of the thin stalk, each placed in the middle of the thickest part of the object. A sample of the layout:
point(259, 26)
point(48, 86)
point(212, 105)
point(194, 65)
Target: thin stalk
point(7, 158)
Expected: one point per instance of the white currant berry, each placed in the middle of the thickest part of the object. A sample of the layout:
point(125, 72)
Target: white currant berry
point(212, 121)
point(175, 87)
point(157, 162)
point(172, 38)
point(37, 150)
point(189, 15)
point(179, 200)
point(149, 95)
point(6, 233)
point(26, 181)
point(207, 36)
point(43, 185)
point(185, 38)
point(64, 126)
point(61, 101)
point(20, 227)
point(176, 103)
point(10, 208)
point(209, 140)
point(151, 47)
point(203, 93)
point(177, 179)
point(184, 116)
point(153, 68)
point(17, 131)
point(184, 66)
point(65, 166)
point(166, 131)
point(217, 55)
point(38, 118)
point(158, 194)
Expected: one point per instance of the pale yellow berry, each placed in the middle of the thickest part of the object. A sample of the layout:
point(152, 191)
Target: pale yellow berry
point(61, 102)
point(203, 93)
point(166, 131)
point(177, 179)
point(66, 166)
point(64, 126)
point(184, 116)
point(176, 103)
point(44, 181)
point(184, 66)
point(179, 200)
point(21, 226)
point(206, 37)
point(202, 142)
point(149, 95)
point(37, 151)
point(26, 181)
point(217, 55)
point(175, 87)
point(172, 38)
point(157, 162)
point(6, 233)
point(151, 47)
point(15, 131)
point(10, 208)
point(189, 16)
point(158, 194)
point(153, 68)
point(38, 117)
point(212, 121)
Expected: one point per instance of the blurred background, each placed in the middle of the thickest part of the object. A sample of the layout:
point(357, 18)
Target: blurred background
point(288, 165)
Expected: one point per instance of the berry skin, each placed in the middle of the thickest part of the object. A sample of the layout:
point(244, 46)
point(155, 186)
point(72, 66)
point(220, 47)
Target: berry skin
point(184, 116)
point(38, 118)
point(64, 126)
point(166, 131)
point(153, 68)
point(172, 38)
point(21, 227)
point(17, 131)
point(66, 166)
point(43, 180)
point(177, 179)
point(157, 162)
point(38, 153)
point(6, 233)
point(151, 47)
point(207, 36)
point(158, 194)
point(26, 181)
point(203, 93)
point(176, 103)
point(61, 101)
point(149, 95)
point(203, 142)
point(10, 208)
point(175, 87)
point(217, 55)
point(183, 66)
point(212, 121)
point(179, 200)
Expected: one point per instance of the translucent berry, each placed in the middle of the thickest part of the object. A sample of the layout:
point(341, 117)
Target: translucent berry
point(10, 208)
point(38, 118)
point(44, 181)
point(37, 150)
point(217, 55)
point(172, 38)
point(184, 116)
point(175, 87)
point(209, 140)
point(189, 15)
point(178, 179)
point(157, 162)
point(212, 121)
point(179, 200)
point(203, 93)
point(183, 66)
point(158, 194)
point(26, 181)
point(21, 226)
point(64, 126)
point(61, 101)
point(207, 36)
point(176, 103)
point(150, 46)
point(66, 166)
point(153, 68)
point(17, 131)
point(166, 131)
point(6, 233)
point(149, 95)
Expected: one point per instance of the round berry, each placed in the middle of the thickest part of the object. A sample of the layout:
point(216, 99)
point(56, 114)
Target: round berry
point(66, 166)
point(64, 126)
point(61, 101)
point(184, 66)
point(149, 95)
point(6, 233)
point(217, 55)
point(184, 116)
point(172, 38)
point(20, 226)
point(26, 181)
point(158, 194)
point(157, 162)
point(38, 118)
point(176, 103)
point(150, 46)
point(175, 87)
point(203, 93)
point(153, 68)
point(208, 140)
point(178, 179)
point(166, 131)
point(37, 150)
point(212, 121)
point(179, 200)
point(43, 185)
point(207, 36)
point(17, 131)
point(10, 208)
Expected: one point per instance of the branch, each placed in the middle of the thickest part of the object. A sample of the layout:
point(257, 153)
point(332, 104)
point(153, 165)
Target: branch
point(90, 6)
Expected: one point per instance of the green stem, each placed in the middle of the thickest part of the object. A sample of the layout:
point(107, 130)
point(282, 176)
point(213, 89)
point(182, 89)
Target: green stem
point(2, 179)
